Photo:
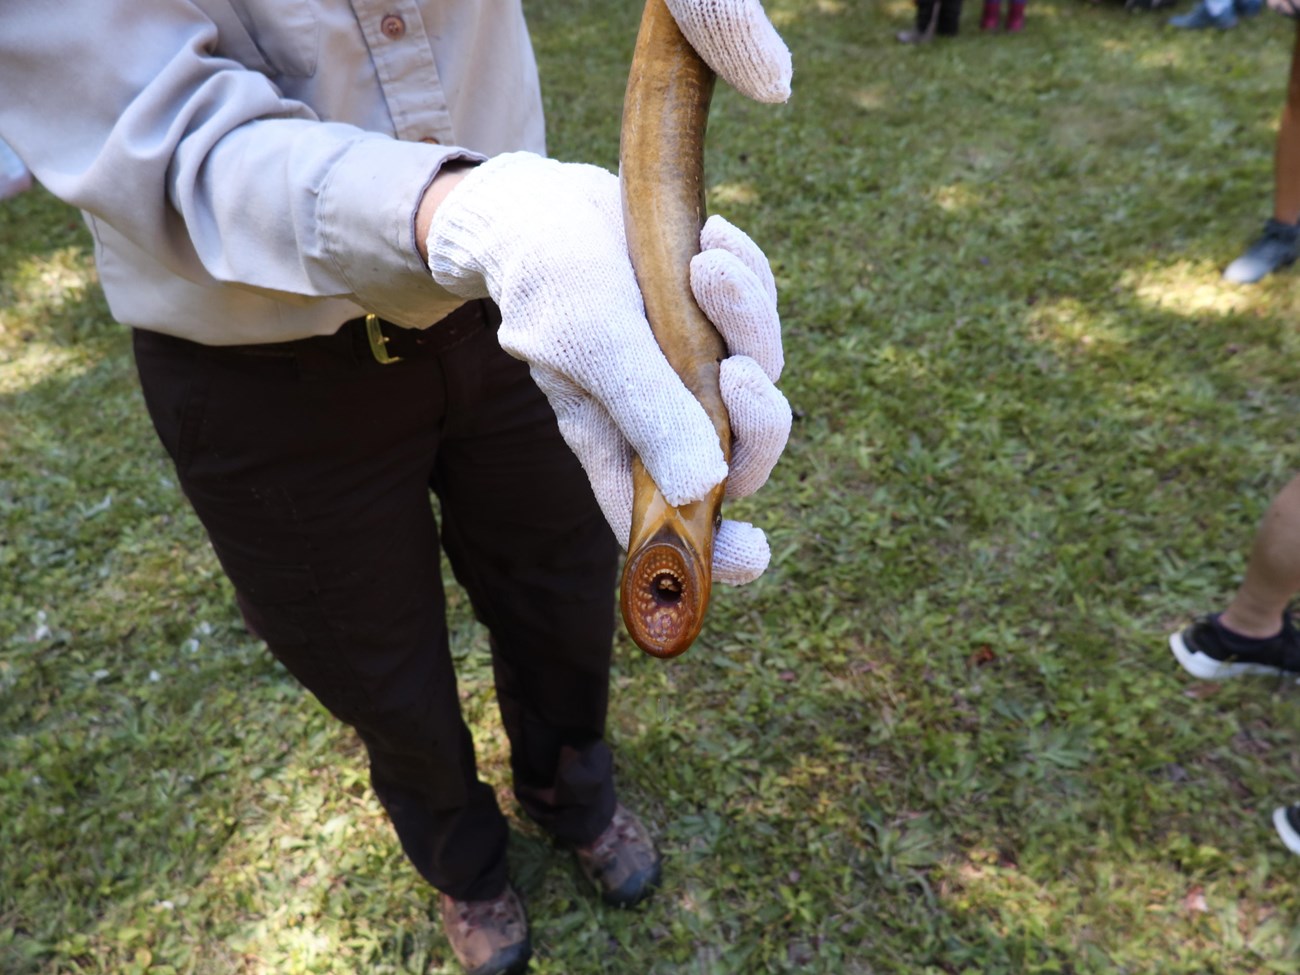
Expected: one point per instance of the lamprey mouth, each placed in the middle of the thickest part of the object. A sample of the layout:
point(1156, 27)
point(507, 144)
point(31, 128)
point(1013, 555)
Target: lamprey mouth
point(662, 600)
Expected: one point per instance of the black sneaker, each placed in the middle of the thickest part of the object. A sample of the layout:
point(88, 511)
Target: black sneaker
point(1287, 821)
point(1209, 650)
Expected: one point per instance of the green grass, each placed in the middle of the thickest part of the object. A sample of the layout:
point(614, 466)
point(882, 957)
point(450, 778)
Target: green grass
point(1034, 432)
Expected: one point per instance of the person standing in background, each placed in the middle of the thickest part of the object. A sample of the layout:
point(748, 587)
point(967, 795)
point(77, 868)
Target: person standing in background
point(1216, 13)
point(934, 18)
point(1276, 247)
point(1255, 634)
point(991, 19)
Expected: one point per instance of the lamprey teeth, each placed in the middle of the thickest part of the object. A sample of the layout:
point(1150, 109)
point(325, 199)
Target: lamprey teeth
point(668, 586)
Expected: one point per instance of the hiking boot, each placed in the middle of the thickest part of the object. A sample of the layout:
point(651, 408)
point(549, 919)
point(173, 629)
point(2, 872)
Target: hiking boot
point(1200, 18)
point(1286, 819)
point(1276, 248)
point(1210, 651)
point(489, 937)
point(622, 862)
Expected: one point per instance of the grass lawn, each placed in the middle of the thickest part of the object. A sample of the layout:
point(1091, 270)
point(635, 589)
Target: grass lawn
point(943, 734)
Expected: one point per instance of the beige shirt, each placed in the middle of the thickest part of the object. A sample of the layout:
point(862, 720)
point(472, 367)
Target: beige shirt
point(250, 168)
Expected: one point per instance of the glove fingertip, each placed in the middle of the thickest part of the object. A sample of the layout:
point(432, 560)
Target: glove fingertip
point(740, 553)
point(775, 90)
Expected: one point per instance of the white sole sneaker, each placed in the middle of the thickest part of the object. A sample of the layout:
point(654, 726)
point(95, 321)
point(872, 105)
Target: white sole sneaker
point(1205, 667)
point(1284, 829)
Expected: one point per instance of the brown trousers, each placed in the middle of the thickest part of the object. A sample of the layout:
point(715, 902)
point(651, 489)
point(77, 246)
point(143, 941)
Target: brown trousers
point(311, 466)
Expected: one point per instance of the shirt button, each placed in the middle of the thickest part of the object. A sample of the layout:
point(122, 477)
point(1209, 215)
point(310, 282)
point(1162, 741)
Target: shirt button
point(392, 26)
point(430, 140)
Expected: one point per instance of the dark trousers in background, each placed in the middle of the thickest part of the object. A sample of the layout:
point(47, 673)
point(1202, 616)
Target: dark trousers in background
point(942, 17)
point(310, 464)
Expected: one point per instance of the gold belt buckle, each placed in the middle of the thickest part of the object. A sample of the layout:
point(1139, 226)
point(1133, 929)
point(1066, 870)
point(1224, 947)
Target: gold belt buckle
point(379, 341)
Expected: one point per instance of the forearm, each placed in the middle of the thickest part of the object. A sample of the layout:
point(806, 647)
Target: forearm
point(205, 165)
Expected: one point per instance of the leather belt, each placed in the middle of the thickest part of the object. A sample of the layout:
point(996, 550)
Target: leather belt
point(374, 340)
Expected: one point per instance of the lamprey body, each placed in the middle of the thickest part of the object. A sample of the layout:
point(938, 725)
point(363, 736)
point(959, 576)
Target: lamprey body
point(668, 572)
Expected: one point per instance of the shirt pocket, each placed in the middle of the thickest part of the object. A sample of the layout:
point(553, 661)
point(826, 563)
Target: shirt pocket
point(279, 38)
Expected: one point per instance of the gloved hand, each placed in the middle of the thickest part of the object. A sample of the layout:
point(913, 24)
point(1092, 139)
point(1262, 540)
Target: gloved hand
point(545, 241)
point(736, 40)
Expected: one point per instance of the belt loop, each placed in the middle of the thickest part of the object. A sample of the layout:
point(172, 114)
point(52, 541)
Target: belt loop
point(378, 341)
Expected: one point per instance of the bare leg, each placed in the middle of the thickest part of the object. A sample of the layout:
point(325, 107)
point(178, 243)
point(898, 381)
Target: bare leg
point(1273, 572)
point(1286, 153)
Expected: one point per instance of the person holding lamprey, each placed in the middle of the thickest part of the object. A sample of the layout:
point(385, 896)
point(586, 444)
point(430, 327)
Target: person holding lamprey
point(1276, 247)
point(354, 281)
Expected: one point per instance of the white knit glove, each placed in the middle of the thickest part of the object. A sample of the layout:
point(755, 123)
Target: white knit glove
point(736, 40)
point(545, 241)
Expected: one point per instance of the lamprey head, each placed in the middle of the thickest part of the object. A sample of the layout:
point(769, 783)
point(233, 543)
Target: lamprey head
point(664, 596)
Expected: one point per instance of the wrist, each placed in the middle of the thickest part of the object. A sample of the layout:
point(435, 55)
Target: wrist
point(448, 177)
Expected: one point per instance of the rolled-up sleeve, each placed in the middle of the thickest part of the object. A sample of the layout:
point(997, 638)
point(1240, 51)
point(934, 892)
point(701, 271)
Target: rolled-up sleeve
point(205, 167)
